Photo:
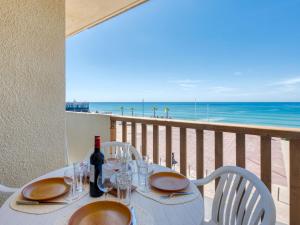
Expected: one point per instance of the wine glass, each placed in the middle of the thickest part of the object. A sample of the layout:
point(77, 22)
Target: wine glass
point(113, 162)
point(104, 184)
point(69, 179)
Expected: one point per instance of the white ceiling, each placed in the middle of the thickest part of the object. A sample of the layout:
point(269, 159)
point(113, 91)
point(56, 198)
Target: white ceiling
point(82, 14)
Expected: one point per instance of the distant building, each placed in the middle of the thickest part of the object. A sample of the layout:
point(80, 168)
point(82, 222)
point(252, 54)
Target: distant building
point(78, 106)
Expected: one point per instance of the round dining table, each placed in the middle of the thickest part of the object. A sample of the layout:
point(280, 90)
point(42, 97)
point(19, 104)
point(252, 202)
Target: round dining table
point(189, 213)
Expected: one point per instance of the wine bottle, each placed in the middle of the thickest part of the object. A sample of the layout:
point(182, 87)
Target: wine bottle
point(96, 162)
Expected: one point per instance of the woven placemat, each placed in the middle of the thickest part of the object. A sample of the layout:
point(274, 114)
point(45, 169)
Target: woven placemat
point(156, 196)
point(41, 209)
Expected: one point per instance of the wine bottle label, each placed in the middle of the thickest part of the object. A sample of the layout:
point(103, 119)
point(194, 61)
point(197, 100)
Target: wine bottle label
point(92, 173)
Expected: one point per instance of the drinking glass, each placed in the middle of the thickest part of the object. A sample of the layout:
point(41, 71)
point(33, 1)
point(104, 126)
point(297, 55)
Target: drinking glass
point(124, 182)
point(144, 170)
point(79, 176)
point(143, 174)
point(104, 183)
point(123, 153)
point(86, 175)
point(123, 157)
point(69, 179)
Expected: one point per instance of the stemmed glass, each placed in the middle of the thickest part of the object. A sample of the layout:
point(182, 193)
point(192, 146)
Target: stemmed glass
point(122, 153)
point(114, 162)
point(69, 178)
point(105, 184)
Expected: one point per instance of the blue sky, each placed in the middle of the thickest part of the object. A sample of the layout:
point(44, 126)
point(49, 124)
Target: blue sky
point(174, 50)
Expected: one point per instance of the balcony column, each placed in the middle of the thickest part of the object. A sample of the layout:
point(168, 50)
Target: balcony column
point(294, 181)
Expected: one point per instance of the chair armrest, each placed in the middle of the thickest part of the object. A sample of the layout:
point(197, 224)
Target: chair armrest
point(5, 189)
point(215, 174)
point(201, 182)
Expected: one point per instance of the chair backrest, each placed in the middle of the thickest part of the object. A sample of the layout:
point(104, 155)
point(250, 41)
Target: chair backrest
point(114, 146)
point(241, 198)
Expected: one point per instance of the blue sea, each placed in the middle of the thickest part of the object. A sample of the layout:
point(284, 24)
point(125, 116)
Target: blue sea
point(284, 114)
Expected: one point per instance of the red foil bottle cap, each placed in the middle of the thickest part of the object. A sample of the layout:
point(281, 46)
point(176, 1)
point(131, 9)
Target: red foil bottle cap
point(97, 141)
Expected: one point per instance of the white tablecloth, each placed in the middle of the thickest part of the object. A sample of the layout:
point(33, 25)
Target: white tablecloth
point(190, 213)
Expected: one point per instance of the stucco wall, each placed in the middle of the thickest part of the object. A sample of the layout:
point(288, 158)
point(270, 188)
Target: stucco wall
point(32, 89)
point(81, 129)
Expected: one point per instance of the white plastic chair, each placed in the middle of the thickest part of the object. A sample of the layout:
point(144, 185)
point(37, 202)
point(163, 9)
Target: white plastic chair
point(5, 192)
point(5, 189)
point(115, 145)
point(241, 198)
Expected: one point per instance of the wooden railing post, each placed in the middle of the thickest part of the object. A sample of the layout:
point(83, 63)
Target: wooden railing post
point(133, 134)
point(218, 149)
point(124, 131)
point(240, 150)
point(155, 144)
point(294, 181)
point(183, 151)
point(218, 152)
point(144, 139)
point(168, 146)
point(265, 160)
point(113, 130)
point(199, 156)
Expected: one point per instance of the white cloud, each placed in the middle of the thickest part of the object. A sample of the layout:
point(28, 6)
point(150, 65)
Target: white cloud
point(287, 85)
point(187, 83)
point(290, 81)
point(221, 89)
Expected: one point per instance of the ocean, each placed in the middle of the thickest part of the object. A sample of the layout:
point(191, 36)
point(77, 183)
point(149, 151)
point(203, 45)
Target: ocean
point(283, 114)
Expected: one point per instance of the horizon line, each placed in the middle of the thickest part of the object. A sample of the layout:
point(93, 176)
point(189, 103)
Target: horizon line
point(187, 101)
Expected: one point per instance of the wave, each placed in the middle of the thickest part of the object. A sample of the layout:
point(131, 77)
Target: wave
point(216, 119)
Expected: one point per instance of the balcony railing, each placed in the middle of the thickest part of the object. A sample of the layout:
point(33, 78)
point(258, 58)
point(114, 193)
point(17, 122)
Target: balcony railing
point(265, 133)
